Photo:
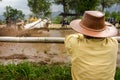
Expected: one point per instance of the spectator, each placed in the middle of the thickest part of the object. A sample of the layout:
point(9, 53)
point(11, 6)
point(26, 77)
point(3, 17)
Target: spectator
point(64, 22)
point(8, 21)
point(112, 21)
point(31, 19)
point(93, 51)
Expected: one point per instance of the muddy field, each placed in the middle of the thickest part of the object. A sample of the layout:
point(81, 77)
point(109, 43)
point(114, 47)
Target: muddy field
point(42, 53)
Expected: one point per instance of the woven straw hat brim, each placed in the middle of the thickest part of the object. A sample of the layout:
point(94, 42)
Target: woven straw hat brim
point(109, 31)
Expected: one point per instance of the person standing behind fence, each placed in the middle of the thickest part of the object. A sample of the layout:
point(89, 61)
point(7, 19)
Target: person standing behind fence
point(112, 21)
point(93, 50)
point(8, 21)
point(64, 22)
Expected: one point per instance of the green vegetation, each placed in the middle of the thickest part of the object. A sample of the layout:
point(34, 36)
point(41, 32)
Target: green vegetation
point(117, 75)
point(56, 20)
point(29, 71)
point(13, 14)
point(115, 15)
point(105, 3)
point(40, 8)
point(73, 5)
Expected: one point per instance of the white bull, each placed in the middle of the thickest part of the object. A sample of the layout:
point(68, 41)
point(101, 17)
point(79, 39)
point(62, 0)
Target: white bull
point(41, 23)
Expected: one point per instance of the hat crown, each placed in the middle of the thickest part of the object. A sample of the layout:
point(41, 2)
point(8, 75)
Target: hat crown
point(93, 20)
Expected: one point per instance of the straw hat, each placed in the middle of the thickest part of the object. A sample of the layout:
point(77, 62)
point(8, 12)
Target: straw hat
point(93, 24)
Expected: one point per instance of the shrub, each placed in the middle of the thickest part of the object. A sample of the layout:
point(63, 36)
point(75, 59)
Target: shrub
point(56, 20)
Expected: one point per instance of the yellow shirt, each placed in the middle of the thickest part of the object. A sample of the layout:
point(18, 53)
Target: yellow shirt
point(35, 19)
point(32, 19)
point(92, 59)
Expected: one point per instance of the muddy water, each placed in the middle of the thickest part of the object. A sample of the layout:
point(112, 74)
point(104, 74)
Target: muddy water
point(43, 53)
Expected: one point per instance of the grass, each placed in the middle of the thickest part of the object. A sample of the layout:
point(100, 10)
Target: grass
point(117, 75)
point(28, 71)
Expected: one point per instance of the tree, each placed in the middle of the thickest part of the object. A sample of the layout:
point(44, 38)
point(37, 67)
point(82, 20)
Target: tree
point(77, 6)
point(107, 3)
point(64, 3)
point(13, 14)
point(117, 1)
point(39, 7)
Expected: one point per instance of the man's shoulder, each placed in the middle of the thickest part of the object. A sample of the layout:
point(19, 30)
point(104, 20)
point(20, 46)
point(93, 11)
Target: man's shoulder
point(74, 35)
point(112, 38)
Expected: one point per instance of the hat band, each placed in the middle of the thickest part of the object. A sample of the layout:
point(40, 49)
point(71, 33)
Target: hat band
point(92, 29)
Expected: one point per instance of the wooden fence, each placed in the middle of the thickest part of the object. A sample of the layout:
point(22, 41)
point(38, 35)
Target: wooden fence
point(37, 39)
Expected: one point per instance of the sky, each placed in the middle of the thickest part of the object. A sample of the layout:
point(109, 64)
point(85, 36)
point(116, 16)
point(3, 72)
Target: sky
point(22, 5)
point(115, 8)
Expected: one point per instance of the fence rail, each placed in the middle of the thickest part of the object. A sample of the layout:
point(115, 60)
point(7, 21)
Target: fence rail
point(37, 39)
point(33, 39)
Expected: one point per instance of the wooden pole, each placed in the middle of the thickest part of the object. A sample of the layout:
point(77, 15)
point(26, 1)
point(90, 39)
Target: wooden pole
point(37, 39)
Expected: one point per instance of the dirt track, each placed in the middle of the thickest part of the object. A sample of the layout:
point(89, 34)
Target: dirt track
point(42, 53)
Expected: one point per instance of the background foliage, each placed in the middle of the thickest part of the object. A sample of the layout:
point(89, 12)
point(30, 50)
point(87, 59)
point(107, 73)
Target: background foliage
point(13, 13)
point(40, 7)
